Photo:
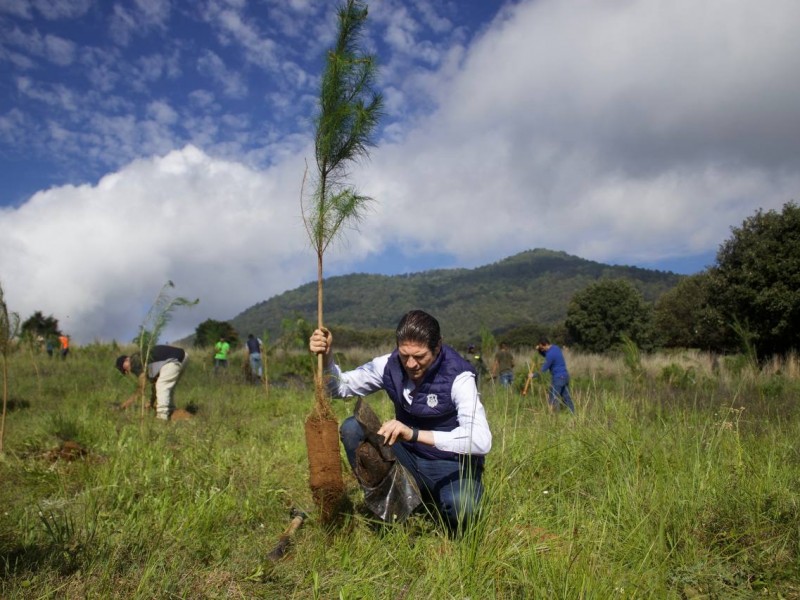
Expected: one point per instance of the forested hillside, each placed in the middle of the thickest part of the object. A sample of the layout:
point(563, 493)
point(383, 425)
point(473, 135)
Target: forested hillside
point(533, 287)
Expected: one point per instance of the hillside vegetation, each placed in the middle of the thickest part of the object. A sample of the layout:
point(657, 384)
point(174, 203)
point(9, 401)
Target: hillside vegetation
point(533, 287)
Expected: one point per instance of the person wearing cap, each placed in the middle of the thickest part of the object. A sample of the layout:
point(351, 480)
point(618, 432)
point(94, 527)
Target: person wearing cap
point(164, 367)
point(439, 432)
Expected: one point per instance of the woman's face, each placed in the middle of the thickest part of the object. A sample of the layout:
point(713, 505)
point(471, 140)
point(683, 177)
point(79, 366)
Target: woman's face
point(416, 358)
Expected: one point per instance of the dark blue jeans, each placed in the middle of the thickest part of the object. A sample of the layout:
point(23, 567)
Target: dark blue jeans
point(559, 386)
point(454, 486)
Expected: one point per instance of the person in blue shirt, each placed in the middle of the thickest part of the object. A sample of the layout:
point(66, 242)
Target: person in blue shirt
point(559, 384)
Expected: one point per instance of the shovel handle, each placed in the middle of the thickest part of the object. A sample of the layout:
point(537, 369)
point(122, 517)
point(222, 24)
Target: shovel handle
point(285, 540)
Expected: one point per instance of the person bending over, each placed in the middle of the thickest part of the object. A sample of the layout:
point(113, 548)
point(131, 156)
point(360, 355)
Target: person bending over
point(164, 367)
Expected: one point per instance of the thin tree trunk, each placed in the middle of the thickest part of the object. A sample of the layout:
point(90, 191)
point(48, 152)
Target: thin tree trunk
point(318, 391)
point(322, 405)
point(266, 372)
point(322, 438)
point(5, 403)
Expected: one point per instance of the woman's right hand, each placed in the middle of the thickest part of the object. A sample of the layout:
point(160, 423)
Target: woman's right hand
point(321, 341)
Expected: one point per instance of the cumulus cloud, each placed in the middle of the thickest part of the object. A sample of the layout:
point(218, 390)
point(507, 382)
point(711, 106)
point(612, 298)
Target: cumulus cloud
point(613, 131)
point(222, 232)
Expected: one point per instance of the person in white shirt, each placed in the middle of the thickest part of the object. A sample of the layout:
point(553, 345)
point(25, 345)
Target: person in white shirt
point(440, 432)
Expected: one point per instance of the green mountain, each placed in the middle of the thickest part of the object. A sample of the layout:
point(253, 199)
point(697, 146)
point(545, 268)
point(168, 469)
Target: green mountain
point(533, 287)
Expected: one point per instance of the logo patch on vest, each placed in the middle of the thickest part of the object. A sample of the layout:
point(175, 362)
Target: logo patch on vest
point(433, 400)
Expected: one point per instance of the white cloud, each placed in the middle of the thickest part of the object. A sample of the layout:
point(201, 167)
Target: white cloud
point(20, 61)
point(145, 15)
point(13, 125)
point(232, 83)
point(612, 131)
point(222, 232)
point(431, 18)
point(162, 112)
point(152, 67)
point(122, 25)
point(61, 9)
point(154, 11)
point(233, 29)
point(52, 95)
point(17, 8)
point(99, 66)
point(53, 48)
point(58, 50)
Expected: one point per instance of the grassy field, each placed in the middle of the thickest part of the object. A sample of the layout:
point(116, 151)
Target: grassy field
point(676, 479)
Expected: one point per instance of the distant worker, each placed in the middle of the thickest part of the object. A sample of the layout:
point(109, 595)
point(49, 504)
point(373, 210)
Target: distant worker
point(165, 364)
point(476, 360)
point(559, 384)
point(503, 365)
point(221, 349)
point(254, 349)
point(63, 341)
point(49, 346)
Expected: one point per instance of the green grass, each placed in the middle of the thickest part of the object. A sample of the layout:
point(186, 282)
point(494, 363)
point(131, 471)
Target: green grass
point(666, 486)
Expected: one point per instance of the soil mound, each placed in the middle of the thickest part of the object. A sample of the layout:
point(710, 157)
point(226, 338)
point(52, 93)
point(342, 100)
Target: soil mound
point(69, 451)
point(180, 414)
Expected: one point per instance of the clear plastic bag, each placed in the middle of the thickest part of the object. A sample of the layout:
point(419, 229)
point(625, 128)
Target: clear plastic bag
point(395, 497)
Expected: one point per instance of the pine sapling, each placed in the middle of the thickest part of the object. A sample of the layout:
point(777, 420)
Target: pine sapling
point(349, 110)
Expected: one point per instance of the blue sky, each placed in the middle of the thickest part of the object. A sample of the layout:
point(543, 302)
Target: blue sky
point(153, 140)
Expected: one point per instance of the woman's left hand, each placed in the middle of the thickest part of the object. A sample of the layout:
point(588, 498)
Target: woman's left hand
point(393, 430)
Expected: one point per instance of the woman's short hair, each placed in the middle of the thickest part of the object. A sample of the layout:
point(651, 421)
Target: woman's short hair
point(419, 327)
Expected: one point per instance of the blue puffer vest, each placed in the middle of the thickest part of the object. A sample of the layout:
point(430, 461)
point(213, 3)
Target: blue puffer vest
point(432, 407)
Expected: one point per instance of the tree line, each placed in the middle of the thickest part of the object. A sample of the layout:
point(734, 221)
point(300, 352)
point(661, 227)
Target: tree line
point(749, 300)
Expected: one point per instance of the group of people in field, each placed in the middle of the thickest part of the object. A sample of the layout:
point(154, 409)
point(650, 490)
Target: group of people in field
point(439, 432)
point(49, 344)
point(254, 347)
point(502, 370)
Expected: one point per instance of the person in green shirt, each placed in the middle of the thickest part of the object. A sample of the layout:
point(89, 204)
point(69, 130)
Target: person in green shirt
point(221, 349)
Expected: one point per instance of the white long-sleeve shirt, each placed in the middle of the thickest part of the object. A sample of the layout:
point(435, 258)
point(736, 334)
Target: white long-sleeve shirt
point(472, 436)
